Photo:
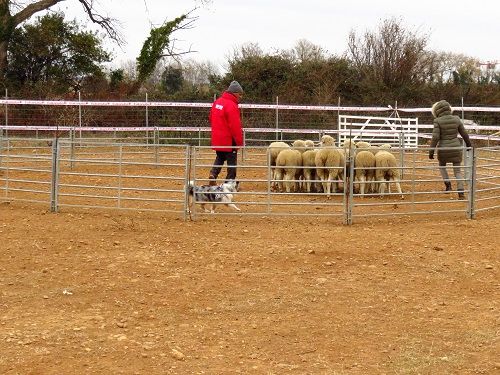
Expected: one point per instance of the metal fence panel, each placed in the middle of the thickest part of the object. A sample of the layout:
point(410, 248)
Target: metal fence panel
point(25, 171)
point(154, 177)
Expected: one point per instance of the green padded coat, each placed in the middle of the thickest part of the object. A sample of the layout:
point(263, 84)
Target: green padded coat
point(444, 134)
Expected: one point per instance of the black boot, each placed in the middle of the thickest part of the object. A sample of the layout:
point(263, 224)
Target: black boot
point(447, 185)
point(461, 195)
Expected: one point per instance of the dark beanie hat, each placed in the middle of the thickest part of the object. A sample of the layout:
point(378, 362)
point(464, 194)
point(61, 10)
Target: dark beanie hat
point(235, 87)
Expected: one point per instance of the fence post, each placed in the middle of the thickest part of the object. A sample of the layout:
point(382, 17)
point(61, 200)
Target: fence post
point(80, 115)
point(471, 161)
point(6, 116)
point(187, 178)
point(243, 149)
point(72, 146)
point(270, 178)
point(147, 120)
point(120, 174)
point(462, 108)
point(401, 153)
point(349, 192)
point(277, 115)
point(192, 159)
point(2, 130)
point(157, 144)
point(54, 185)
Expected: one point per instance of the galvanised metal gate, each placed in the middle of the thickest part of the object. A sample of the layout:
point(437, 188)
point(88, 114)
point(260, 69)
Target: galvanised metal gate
point(142, 177)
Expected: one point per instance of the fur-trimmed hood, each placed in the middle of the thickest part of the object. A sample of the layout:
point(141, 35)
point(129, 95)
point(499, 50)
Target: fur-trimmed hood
point(441, 108)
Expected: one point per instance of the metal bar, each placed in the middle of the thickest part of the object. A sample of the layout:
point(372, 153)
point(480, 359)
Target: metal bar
point(270, 178)
point(72, 148)
point(350, 199)
point(80, 114)
point(54, 188)
point(187, 178)
point(276, 118)
point(472, 187)
point(193, 171)
point(157, 145)
point(120, 172)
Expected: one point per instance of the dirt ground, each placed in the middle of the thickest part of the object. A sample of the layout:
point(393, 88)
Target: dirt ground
point(103, 292)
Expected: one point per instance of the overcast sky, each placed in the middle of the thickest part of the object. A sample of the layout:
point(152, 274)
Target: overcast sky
point(468, 27)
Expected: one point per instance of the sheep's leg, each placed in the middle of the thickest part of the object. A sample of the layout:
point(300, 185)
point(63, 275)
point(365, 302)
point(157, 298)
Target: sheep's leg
point(287, 182)
point(355, 186)
point(340, 180)
point(398, 187)
point(338, 177)
point(278, 176)
point(362, 180)
point(323, 177)
point(331, 177)
point(371, 184)
point(382, 186)
point(307, 180)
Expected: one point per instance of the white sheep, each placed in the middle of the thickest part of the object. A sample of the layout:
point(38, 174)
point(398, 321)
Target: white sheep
point(387, 170)
point(309, 144)
point(364, 171)
point(288, 168)
point(348, 146)
point(363, 145)
point(327, 140)
point(309, 168)
point(329, 162)
point(375, 149)
point(273, 150)
point(300, 146)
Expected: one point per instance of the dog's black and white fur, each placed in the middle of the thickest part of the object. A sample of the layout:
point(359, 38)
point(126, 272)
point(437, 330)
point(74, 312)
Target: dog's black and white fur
point(207, 194)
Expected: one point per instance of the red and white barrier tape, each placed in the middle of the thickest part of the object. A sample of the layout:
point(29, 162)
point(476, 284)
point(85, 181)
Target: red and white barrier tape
point(243, 106)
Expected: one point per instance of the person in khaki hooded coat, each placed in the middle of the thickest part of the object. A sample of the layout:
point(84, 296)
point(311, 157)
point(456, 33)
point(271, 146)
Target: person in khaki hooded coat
point(445, 137)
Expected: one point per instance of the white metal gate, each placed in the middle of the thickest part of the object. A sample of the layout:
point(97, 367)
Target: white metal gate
point(397, 131)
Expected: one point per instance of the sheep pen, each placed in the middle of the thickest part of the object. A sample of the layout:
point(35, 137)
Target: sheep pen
point(147, 178)
point(114, 281)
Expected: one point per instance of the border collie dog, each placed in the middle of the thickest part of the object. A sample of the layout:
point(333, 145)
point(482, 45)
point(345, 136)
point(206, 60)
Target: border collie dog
point(207, 194)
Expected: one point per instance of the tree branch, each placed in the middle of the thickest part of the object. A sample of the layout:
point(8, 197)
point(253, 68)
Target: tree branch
point(107, 23)
point(33, 8)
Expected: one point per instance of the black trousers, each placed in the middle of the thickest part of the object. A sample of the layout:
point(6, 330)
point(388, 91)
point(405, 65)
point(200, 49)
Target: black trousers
point(231, 157)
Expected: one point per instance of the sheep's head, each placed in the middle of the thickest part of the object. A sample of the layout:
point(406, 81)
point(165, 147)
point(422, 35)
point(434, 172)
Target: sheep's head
point(309, 144)
point(327, 140)
point(299, 144)
point(349, 143)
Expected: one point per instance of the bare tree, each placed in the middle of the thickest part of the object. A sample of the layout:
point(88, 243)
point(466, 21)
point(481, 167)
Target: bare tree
point(198, 72)
point(304, 50)
point(393, 55)
point(13, 13)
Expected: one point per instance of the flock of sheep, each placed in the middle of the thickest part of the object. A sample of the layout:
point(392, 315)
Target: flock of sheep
point(303, 168)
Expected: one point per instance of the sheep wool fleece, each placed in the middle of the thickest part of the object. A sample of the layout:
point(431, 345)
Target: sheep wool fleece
point(444, 134)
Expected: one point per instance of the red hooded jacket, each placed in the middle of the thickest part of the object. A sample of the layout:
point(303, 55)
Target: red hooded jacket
point(226, 123)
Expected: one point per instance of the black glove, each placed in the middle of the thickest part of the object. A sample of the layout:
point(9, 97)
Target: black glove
point(431, 154)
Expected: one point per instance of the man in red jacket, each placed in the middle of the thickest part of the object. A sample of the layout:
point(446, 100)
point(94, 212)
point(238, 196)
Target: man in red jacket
point(227, 132)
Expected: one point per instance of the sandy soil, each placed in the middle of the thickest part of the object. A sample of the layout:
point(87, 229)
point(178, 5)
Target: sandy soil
point(103, 292)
